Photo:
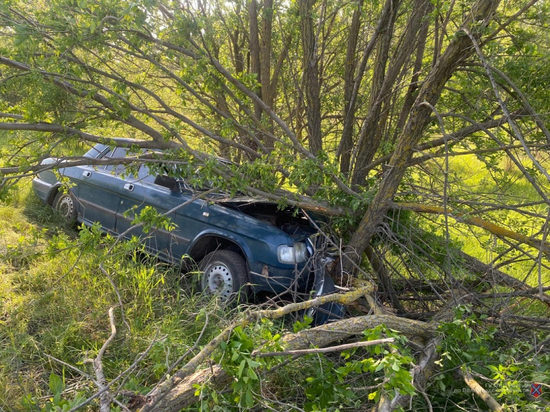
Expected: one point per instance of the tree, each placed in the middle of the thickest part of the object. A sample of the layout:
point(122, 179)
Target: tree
point(327, 101)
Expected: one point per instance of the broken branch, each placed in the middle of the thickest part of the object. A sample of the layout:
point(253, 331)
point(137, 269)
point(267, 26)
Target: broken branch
point(166, 397)
point(480, 391)
point(338, 348)
point(105, 397)
point(476, 221)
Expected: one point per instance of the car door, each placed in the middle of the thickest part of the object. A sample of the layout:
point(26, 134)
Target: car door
point(141, 192)
point(99, 192)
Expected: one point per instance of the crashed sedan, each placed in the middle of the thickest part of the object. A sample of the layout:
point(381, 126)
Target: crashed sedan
point(243, 246)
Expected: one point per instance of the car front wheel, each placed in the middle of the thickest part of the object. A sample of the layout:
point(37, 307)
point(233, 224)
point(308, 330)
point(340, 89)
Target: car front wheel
point(224, 274)
point(65, 205)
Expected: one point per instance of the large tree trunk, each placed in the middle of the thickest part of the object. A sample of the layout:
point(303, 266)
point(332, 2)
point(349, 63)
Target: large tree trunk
point(255, 49)
point(311, 77)
point(349, 80)
point(268, 95)
point(413, 85)
point(459, 49)
point(371, 134)
point(353, 83)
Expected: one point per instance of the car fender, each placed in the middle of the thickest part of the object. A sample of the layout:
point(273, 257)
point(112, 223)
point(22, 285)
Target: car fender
point(52, 193)
point(231, 238)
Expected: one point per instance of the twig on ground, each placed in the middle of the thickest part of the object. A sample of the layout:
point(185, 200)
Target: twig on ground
point(300, 352)
point(104, 398)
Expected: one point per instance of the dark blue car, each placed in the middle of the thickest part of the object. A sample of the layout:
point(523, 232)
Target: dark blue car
point(243, 245)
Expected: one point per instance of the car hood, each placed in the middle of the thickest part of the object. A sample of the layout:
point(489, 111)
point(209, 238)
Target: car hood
point(292, 221)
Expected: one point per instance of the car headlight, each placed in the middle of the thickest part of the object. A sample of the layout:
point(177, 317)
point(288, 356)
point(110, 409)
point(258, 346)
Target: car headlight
point(292, 254)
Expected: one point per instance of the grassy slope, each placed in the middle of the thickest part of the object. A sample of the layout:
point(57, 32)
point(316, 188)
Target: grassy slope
point(469, 179)
point(54, 301)
point(512, 189)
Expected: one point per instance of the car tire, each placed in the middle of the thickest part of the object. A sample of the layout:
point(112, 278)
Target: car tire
point(64, 203)
point(224, 273)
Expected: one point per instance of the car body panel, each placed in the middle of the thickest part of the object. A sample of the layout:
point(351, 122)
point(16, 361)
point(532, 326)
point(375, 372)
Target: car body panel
point(98, 196)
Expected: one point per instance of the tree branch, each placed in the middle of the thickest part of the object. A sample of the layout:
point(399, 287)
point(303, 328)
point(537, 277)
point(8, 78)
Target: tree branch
point(162, 396)
point(476, 221)
point(479, 390)
point(338, 348)
point(105, 397)
point(115, 141)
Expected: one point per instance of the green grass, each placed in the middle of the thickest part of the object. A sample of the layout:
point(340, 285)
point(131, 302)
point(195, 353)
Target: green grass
point(55, 298)
point(54, 301)
point(472, 180)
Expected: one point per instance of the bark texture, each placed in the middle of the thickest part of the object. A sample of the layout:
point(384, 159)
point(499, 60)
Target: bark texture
point(458, 50)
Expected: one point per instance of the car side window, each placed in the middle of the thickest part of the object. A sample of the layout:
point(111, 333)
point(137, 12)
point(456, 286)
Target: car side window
point(117, 153)
point(144, 174)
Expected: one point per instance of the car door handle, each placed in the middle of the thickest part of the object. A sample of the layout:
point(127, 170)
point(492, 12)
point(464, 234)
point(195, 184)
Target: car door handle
point(129, 187)
point(86, 173)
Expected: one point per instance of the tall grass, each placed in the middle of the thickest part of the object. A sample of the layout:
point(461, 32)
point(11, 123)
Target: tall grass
point(57, 284)
point(54, 299)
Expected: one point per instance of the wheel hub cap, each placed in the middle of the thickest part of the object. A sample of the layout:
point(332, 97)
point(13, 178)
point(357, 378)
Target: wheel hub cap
point(66, 207)
point(219, 281)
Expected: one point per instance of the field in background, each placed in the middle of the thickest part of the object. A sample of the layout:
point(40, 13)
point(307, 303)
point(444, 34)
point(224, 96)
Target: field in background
point(469, 179)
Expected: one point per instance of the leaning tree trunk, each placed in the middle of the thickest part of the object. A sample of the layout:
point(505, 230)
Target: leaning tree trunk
point(349, 81)
point(371, 134)
point(459, 49)
point(254, 48)
point(311, 77)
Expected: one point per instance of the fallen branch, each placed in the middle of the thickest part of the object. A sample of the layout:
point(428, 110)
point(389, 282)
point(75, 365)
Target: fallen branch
point(168, 396)
point(81, 372)
point(338, 348)
point(476, 221)
point(324, 335)
point(105, 397)
point(480, 391)
point(420, 374)
point(183, 393)
point(115, 380)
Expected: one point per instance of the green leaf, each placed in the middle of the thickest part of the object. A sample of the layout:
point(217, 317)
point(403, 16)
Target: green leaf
point(253, 363)
point(248, 399)
point(56, 384)
point(252, 375)
point(241, 368)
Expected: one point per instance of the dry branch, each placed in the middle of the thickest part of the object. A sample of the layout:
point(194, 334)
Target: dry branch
point(420, 374)
point(476, 221)
point(183, 392)
point(338, 348)
point(105, 397)
point(167, 396)
point(480, 391)
point(326, 334)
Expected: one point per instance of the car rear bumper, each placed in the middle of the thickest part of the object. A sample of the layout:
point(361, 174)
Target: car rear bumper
point(42, 189)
